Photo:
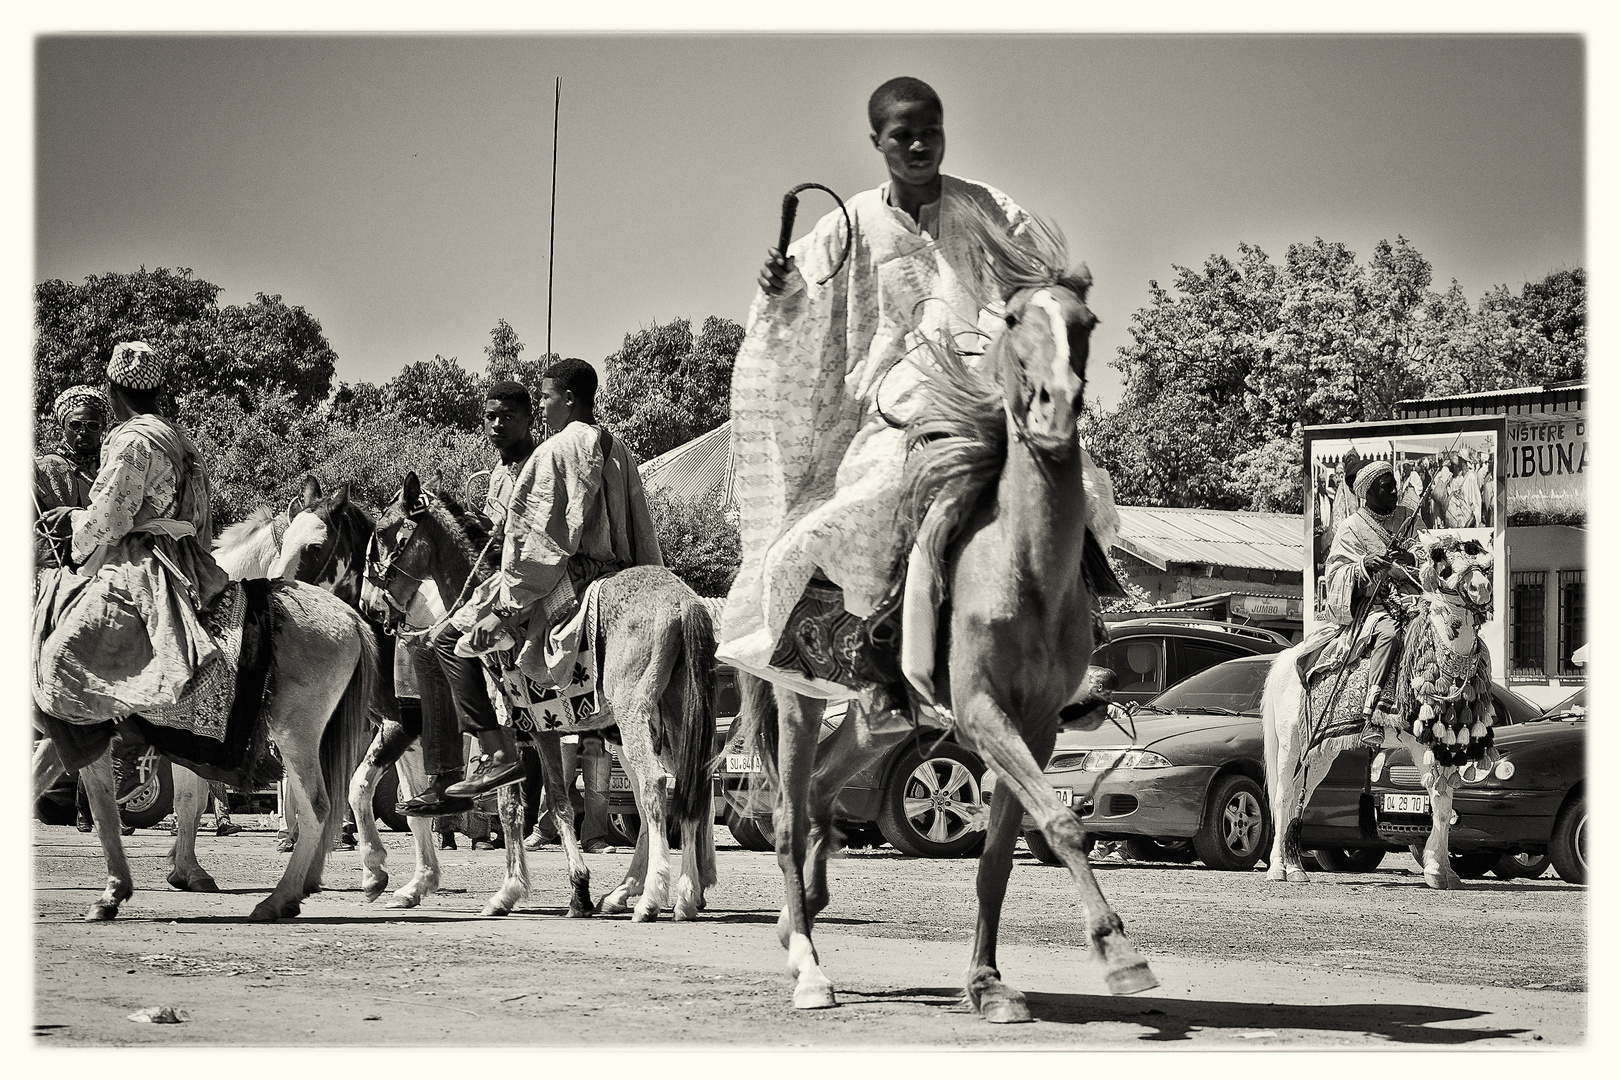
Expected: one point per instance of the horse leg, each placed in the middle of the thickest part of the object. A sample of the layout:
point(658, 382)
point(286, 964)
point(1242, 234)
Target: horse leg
point(548, 745)
point(48, 766)
point(362, 788)
point(509, 800)
point(641, 765)
point(303, 774)
point(998, 740)
point(190, 795)
point(994, 1000)
point(1441, 782)
point(1284, 729)
point(631, 887)
point(99, 785)
point(413, 781)
point(796, 758)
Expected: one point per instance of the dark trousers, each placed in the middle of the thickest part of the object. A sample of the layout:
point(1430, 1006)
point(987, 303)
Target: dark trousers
point(455, 699)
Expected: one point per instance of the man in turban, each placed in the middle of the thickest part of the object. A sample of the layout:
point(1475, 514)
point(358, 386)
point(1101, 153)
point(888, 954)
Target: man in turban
point(1370, 556)
point(119, 630)
point(64, 473)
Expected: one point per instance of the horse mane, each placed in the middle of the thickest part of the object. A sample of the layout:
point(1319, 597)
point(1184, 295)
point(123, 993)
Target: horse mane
point(956, 445)
point(249, 548)
point(470, 531)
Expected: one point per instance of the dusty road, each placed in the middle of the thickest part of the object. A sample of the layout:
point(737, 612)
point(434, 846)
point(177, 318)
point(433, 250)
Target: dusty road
point(1359, 961)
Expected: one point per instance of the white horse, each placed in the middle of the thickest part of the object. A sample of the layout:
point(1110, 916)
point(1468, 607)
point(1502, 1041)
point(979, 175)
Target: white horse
point(1442, 691)
point(324, 657)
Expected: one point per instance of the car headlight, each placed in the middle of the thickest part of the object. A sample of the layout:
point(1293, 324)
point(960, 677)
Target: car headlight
point(1505, 769)
point(1103, 760)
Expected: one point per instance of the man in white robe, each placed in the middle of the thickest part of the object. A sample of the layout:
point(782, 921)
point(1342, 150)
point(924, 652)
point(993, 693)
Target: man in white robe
point(827, 377)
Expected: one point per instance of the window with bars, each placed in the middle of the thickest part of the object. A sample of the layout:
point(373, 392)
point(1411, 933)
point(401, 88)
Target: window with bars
point(1529, 625)
point(1571, 620)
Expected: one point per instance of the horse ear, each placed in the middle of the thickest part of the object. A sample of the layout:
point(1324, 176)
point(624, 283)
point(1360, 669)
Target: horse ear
point(438, 480)
point(411, 492)
point(341, 497)
point(312, 490)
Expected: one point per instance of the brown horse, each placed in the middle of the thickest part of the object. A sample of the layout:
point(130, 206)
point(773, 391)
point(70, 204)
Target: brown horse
point(995, 501)
point(657, 680)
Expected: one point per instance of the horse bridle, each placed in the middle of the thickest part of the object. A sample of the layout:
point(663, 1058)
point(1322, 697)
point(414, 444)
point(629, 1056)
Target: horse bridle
point(379, 570)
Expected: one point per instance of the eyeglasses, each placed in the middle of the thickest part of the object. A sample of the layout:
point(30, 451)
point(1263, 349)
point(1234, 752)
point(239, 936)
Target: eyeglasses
point(83, 425)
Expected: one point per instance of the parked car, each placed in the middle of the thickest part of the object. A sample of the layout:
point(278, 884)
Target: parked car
point(1191, 782)
point(1528, 811)
point(924, 796)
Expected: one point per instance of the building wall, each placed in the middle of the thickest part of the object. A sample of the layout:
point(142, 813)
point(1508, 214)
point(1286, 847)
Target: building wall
point(1544, 549)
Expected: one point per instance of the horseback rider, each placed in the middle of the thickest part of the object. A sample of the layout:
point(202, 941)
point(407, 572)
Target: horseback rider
point(1371, 553)
point(119, 631)
point(830, 370)
point(64, 474)
point(570, 510)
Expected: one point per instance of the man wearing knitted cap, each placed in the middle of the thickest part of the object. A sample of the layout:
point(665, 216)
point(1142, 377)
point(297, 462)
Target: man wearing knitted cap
point(119, 631)
point(1360, 554)
point(63, 475)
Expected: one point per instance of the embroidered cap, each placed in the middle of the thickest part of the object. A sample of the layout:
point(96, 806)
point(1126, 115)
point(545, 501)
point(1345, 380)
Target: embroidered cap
point(135, 365)
point(1370, 472)
point(81, 397)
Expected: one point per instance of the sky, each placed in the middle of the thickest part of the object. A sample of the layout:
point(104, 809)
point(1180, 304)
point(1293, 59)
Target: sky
point(398, 188)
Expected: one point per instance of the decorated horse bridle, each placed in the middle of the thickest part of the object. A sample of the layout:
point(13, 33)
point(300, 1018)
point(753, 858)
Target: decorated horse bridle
point(379, 570)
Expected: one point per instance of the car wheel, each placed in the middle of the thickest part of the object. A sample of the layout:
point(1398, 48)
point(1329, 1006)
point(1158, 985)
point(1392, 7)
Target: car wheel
point(627, 826)
point(1521, 864)
point(1349, 860)
point(931, 803)
point(385, 802)
point(154, 799)
point(1568, 847)
point(1146, 849)
point(754, 834)
point(1474, 864)
point(1233, 836)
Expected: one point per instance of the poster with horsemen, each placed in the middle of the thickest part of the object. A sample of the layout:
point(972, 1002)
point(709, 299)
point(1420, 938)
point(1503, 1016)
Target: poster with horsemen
point(1447, 482)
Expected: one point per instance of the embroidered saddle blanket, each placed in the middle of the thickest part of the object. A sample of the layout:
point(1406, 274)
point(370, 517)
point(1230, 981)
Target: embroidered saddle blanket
point(563, 696)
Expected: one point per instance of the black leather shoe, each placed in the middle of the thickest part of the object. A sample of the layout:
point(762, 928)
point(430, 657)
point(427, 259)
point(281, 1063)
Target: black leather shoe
point(486, 778)
point(432, 804)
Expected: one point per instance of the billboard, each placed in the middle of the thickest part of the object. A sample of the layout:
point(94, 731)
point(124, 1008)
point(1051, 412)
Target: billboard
point(1449, 473)
point(1545, 466)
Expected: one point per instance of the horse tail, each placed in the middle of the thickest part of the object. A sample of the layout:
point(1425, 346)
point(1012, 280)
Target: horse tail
point(349, 731)
point(694, 750)
point(759, 725)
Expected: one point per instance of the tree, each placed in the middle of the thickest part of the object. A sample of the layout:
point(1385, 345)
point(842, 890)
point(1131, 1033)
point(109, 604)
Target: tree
point(239, 351)
point(436, 393)
point(505, 361)
point(664, 388)
point(701, 541)
point(354, 403)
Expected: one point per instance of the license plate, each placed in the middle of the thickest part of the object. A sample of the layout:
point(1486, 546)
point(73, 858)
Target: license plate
point(618, 782)
point(1406, 804)
point(743, 763)
point(1065, 795)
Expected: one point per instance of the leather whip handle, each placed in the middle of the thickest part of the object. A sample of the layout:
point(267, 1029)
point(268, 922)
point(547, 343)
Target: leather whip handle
point(790, 210)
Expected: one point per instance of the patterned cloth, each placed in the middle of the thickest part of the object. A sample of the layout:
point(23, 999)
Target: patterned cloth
point(567, 699)
point(818, 468)
point(206, 703)
point(136, 366)
point(80, 397)
point(120, 633)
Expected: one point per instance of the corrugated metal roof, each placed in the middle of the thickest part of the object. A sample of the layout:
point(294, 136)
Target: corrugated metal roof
point(1161, 535)
point(1157, 535)
point(694, 470)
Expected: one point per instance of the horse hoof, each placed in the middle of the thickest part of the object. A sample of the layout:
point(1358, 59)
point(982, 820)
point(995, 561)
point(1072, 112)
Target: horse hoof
point(608, 906)
point(1131, 979)
point(405, 901)
point(1009, 1010)
point(263, 913)
point(494, 910)
point(1446, 882)
point(376, 888)
point(687, 912)
point(197, 882)
point(578, 911)
point(645, 914)
point(101, 912)
point(1276, 873)
point(1297, 876)
point(814, 997)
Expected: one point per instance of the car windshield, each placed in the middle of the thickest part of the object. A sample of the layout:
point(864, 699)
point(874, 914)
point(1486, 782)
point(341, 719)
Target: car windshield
point(1574, 705)
point(1232, 688)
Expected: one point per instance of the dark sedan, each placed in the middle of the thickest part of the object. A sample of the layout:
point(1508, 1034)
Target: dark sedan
point(1529, 810)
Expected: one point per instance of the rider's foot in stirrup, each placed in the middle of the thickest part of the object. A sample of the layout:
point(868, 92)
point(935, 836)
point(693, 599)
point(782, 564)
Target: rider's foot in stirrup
point(490, 774)
point(1372, 732)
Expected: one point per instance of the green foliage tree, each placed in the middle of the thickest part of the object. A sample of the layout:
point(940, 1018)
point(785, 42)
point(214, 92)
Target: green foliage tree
point(701, 540)
point(664, 387)
point(436, 393)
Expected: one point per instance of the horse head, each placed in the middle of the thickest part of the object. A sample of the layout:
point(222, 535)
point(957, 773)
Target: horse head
point(1040, 359)
point(398, 563)
point(1459, 567)
point(325, 542)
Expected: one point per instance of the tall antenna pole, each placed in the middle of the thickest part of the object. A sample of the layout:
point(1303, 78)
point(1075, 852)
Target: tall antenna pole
point(551, 267)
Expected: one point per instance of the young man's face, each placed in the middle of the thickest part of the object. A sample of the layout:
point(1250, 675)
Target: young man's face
point(912, 141)
point(555, 405)
point(505, 423)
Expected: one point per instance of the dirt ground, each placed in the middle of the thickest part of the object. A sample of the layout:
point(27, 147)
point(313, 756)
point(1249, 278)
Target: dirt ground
point(1353, 961)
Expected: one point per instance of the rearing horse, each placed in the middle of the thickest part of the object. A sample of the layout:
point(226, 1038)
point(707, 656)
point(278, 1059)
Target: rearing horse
point(995, 497)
